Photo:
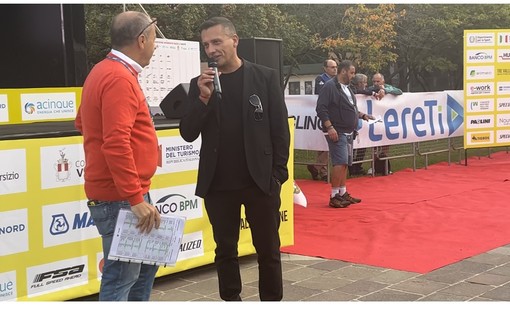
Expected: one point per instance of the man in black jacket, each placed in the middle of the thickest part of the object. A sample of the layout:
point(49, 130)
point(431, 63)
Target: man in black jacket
point(336, 108)
point(243, 158)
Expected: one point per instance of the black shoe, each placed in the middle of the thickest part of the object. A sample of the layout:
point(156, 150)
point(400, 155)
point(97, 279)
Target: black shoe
point(338, 202)
point(347, 197)
point(313, 171)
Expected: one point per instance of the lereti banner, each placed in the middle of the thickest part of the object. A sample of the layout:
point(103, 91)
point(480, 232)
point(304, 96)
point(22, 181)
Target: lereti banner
point(406, 118)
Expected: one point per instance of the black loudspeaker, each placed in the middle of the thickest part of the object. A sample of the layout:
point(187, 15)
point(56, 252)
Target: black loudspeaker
point(263, 51)
point(174, 104)
point(44, 45)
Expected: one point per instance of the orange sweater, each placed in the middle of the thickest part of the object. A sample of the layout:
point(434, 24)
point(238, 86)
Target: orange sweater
point(119, 139)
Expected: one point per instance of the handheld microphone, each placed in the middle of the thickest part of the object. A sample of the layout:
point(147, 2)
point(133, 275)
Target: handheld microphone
point(216, 81)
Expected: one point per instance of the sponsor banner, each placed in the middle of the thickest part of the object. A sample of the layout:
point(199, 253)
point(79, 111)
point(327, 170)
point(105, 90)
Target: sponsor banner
point(503, 136)
point(480, 89)
point(503, 104)
point(480, 121)
point(99, 265)
point(62, 166)
point(481, 39)
point(66, 223)
point(192, 246)
point(57, 276)
point(177, 155)
point(48, 106)
point(178, 200)
point(8, 286)
point(503, 88)
point(13, 171)
point(503, 56)
point(480, 105)
point(407, 118)
point(480, 72)
point(13, 232)
point(503, 39)
point(503, 120)
point(4, 108)
point(480, 138)
point(480, 56)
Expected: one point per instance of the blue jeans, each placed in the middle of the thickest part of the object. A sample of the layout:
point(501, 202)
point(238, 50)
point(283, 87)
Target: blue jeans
point(121, 281)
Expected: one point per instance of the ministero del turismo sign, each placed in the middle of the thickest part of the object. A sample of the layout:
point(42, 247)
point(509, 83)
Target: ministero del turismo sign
point(486, 88)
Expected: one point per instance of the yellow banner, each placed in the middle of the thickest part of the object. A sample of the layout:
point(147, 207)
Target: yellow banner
point(486, 88)
point(49, 247)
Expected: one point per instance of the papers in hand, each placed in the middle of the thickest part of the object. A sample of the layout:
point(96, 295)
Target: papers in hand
point(159, 247)
point(377, 119)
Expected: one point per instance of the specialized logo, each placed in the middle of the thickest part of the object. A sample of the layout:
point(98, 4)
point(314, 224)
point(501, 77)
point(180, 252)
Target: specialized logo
point(62, 167)
point(29, 108)
point(503, 104)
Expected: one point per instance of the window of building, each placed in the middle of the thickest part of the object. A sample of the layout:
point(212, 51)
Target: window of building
point(294, 88)
point(308, 87)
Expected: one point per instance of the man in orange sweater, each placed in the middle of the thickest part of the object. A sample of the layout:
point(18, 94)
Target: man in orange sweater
point(121, 149)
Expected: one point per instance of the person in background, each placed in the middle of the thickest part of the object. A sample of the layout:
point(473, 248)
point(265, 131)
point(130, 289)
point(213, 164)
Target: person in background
point(320, 172)
point(336, 108)
point(243, 157)
point(121, 150)
point(359, 86)
point(382, 89)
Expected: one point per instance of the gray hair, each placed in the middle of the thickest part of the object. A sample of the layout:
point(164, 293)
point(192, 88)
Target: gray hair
point(125, 28)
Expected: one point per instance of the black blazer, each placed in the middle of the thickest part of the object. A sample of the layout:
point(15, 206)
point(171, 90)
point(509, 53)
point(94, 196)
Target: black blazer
point(266, 142)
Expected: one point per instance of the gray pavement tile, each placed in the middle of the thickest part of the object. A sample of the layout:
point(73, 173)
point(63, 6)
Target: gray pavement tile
point(502, 270)
point(489, 279)
point(323, 283)
point(355, 272)
point(503, 250)
point(205, 287)
point(491, 258)
point(501, 293)
point(361, 287)
point(467, 289)
point(471, 266)
point(448, 277)
point(175, 295)
point(419, 286)
point(250, 274)
point(332, 295)
point(330, 265)
point(302, 274)
point(289, 266)
point(390, 295)
point(444, 297)
point(392, 276)
point(298, 293)
point(169, 282)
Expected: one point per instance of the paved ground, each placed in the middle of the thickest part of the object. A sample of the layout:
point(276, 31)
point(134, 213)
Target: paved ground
point(485, 277)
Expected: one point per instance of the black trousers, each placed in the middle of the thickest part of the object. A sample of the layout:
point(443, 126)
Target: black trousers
point(263, 216)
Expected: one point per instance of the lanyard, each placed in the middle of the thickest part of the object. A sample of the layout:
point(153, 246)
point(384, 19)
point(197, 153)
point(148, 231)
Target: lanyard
point(134, 73)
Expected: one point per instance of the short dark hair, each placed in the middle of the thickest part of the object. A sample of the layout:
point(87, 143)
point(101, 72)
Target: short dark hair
point(125, 28)
point(230, 29)
point(345, 64)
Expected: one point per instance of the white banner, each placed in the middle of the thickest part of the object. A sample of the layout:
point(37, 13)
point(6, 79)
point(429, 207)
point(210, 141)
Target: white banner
point(407, 118)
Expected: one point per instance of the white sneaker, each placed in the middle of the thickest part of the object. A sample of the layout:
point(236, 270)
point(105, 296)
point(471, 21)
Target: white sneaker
point(369, 171)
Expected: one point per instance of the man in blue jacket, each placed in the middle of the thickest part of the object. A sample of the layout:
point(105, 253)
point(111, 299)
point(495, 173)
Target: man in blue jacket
point(336, 108)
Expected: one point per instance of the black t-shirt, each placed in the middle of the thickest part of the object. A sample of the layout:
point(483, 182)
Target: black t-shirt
point(231, 169)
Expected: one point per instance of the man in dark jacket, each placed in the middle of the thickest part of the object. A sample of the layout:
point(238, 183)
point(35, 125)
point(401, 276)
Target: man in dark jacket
point(243, 158)
point(336, 108)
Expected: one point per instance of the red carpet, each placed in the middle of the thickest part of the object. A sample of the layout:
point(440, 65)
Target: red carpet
point(411, 221)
